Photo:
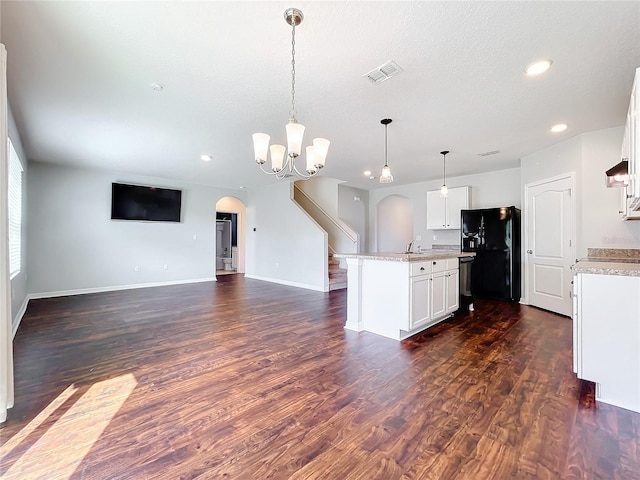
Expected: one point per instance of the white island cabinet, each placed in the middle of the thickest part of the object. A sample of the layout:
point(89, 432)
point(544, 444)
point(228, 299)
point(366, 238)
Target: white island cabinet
point(399, 295)
point(606, 330)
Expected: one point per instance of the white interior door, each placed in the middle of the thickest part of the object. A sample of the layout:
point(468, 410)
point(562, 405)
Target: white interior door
point(549, 243)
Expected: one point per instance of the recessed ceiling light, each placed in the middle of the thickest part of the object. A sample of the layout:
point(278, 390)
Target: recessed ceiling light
point(538, 67)
point(560, 127)
point(367, 173)
point(157, 87)
point(206, 158)
point(372, 177)
point(243, 187)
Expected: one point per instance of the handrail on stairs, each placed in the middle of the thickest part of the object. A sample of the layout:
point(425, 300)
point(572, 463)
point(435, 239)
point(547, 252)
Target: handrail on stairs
point(353, 236)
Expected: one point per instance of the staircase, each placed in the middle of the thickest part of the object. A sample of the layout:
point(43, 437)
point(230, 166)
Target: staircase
point(337, 275)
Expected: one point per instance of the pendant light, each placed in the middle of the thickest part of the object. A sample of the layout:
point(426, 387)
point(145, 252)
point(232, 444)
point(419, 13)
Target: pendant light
point(385, 176)
point(282, 165)
point(443, 189)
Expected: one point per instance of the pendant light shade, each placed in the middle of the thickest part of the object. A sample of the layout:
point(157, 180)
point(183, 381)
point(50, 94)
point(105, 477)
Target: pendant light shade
point(295, 132)
point(261, 147)
point(277, 157)
point(322, 147)
point(385, 175)
point(444, 191)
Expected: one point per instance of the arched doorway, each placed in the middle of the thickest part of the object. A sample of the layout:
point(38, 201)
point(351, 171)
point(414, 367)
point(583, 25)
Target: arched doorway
point(394, 223)
point(230, 236)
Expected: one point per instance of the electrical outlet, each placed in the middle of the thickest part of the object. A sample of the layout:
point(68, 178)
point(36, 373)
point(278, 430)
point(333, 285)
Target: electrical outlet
point(418, 238)
point(165, 266)
point(195, 237)
point(135, 269)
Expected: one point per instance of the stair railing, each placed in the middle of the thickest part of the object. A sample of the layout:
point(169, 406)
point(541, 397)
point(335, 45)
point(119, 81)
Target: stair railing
point(338, 231)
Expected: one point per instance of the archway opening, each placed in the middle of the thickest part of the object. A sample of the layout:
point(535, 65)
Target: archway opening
point(230, 236)
point(394, 223)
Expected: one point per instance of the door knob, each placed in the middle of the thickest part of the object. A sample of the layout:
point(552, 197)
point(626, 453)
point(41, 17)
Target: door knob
point(529, 251)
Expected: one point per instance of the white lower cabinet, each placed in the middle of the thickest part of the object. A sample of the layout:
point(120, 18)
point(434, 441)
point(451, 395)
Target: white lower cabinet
point(439, 291)
point(434, 291)
point(420, 301)
point(606, 336)
point(453, 290)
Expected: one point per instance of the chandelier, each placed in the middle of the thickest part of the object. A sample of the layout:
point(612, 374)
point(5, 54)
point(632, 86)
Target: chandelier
point(284, 165)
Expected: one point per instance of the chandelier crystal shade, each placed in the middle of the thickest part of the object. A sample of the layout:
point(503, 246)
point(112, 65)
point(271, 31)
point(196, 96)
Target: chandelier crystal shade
point(385, 175)
point(283, 158)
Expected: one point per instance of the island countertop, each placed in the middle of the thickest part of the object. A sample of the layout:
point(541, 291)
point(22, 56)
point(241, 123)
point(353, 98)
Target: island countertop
point(407, 257)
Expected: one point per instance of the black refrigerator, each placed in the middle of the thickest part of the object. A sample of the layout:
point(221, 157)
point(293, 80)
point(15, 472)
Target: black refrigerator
point(494, 235)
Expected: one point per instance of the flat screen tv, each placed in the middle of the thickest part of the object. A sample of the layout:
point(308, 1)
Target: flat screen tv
point(139, 202)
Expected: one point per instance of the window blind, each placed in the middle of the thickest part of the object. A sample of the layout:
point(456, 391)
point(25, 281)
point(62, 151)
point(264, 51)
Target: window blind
point(15, 212)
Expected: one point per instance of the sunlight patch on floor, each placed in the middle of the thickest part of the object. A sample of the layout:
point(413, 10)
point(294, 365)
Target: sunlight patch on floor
point(62, 447)
point(36, 422)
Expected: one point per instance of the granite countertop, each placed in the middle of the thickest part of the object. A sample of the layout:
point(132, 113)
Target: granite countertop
point(433, 254)
point(610, 261)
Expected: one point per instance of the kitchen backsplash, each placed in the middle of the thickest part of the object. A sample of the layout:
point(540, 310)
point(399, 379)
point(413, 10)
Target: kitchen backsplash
point(455, 247)
point(613, 252)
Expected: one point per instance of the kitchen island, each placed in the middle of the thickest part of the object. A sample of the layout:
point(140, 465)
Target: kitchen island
point(606, 324)
point(397, 295)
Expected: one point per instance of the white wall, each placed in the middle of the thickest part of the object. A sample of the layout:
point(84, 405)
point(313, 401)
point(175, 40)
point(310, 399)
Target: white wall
point(601, 223)
point(284, 245)
point(323, 191)
point(395, 223)
point(19, 282)
point(73, 244)
point(598, 223)
point(493, 189)
point(355, 212)
point(560, 158)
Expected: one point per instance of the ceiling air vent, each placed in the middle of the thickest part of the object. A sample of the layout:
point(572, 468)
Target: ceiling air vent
point(486, 154)
point(383, 72)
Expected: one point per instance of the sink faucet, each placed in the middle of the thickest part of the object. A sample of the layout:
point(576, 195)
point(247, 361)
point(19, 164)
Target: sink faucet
point(410, 247)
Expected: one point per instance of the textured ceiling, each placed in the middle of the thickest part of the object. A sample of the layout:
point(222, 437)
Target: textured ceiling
point(80, 76)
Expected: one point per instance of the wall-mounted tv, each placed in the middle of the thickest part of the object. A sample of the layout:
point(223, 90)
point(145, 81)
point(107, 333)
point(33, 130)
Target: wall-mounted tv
point(139, 202)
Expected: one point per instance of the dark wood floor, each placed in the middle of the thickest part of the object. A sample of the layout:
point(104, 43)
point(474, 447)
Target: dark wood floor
point(250, 380)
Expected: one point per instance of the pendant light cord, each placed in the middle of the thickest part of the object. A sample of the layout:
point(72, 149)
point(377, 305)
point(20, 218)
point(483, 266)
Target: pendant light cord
point(444, 169)
point(385, 145)
point(292, 112)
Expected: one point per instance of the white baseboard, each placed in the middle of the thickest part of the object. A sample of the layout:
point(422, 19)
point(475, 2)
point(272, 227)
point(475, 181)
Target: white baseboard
point(287, 282)
point(113, 288)
point(18, 319)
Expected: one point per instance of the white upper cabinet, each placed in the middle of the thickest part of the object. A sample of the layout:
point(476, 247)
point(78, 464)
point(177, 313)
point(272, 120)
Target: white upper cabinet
point(443, 213)
point(631, 145)
point(624, 211)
